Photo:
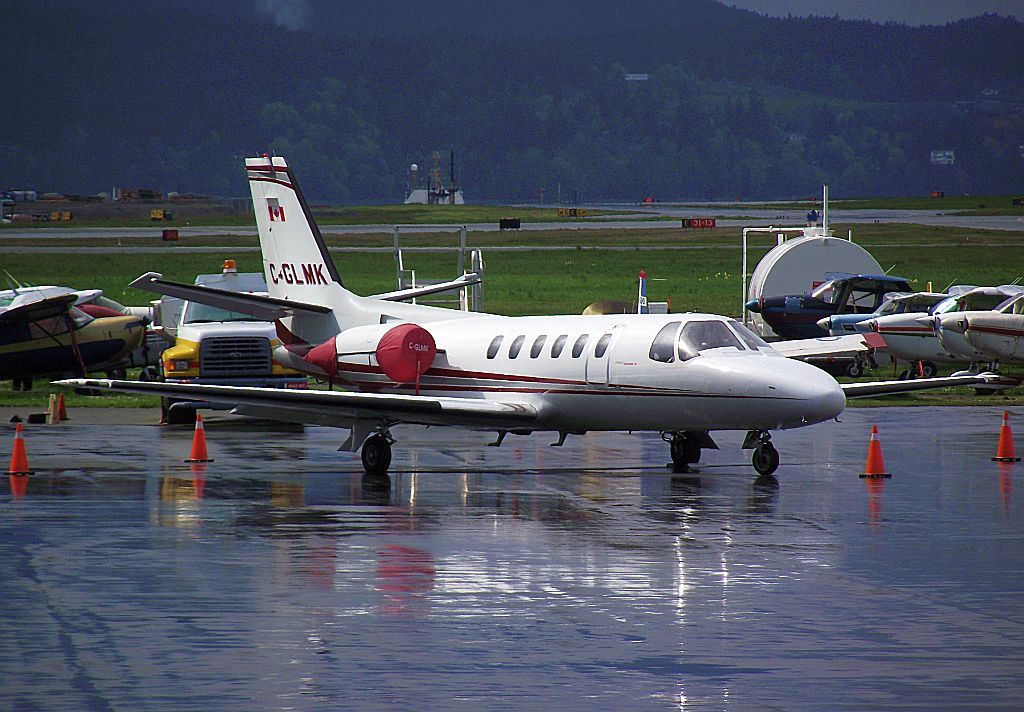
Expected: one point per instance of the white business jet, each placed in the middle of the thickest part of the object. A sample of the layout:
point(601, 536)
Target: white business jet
point(679, 374)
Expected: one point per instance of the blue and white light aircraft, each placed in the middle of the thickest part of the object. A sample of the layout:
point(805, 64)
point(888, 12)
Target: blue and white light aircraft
point(683, 375)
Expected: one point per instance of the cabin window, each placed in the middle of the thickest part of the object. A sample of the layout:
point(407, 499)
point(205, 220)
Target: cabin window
point(602, 345)
point(698, 336)
point(492, 350)
point(556, 348)
point(752, 340)
point(538, 346)
point(581, 343)
point(517, 345)
point(663, 348)
point(48, 327)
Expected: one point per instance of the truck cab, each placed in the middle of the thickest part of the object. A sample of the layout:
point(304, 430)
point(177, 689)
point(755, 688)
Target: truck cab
point(213, 345)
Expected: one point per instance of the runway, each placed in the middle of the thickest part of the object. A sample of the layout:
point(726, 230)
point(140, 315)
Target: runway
point(588, 576)
point(640, 219)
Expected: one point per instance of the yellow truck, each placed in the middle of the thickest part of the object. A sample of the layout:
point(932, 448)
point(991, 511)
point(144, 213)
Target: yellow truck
point(213, 345)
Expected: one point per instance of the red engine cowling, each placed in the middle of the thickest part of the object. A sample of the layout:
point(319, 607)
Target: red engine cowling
point(405, 352)
point(324, 356)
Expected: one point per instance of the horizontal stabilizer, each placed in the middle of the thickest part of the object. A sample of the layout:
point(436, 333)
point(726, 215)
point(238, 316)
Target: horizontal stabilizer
point(466, 280)
point(257, 305)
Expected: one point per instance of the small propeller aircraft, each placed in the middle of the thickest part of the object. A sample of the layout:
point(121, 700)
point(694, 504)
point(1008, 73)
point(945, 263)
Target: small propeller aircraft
point(997, 334)
point(894, 303)
point(797, 316)
point(913, 337)
point(46, 331)
point(682, 375)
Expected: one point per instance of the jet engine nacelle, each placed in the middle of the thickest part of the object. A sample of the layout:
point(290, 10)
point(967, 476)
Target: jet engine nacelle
point(403, 351)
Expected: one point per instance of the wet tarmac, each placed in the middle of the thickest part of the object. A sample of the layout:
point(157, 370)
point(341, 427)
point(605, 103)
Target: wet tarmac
point(584, 577)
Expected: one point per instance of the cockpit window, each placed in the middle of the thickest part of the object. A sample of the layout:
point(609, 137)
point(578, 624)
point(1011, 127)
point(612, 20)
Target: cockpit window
point(663, 348)
point(1013, 305)
point(752, 340)
point(698, 336)
point(825, 291)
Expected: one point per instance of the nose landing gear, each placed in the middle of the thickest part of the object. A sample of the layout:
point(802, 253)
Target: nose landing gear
point(765, 458)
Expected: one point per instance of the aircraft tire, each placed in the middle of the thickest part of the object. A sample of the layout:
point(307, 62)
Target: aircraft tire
point(176, 416)
point(929, 370)
point(376, 455)
point(684, 451)
point(765, 459)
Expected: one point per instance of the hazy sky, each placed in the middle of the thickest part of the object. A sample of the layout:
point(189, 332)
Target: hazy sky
point(914, 12)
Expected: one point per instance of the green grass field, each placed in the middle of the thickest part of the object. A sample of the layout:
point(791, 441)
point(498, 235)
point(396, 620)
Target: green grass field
point(703, 277)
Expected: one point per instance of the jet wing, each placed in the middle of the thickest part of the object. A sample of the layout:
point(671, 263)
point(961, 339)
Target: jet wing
point(882, 388)
point(35, 311)
point(845, 345)
point(257, 305)
point(334, 408)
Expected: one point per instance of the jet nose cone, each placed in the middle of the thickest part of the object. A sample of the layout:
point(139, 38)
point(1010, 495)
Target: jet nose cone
point(830, 400)
point(812, 395)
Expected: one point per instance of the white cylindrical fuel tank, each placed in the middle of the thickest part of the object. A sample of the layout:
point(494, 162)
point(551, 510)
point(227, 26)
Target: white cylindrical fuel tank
point(799, 265)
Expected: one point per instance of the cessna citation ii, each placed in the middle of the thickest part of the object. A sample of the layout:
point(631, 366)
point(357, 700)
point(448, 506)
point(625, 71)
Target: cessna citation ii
point(683, 375)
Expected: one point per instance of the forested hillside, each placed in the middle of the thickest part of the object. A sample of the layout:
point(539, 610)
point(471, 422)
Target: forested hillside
point(735, 105)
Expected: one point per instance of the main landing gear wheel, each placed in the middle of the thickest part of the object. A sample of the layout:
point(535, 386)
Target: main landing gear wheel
point(376, 454)
point(765, 459)
point(685, 451)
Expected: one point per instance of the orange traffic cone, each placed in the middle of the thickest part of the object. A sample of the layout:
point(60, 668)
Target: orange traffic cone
point(19, 458)
point(874, 467)
point(62, 411)
point(1005, 451)
point(199, 453)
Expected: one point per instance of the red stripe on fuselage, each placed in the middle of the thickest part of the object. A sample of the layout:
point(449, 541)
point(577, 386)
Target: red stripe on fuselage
point(998, 331)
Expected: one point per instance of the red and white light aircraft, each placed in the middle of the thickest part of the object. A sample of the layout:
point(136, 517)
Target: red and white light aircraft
point(680, 374)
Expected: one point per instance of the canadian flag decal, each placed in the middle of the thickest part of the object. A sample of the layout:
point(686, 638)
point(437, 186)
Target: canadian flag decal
point(275, 210)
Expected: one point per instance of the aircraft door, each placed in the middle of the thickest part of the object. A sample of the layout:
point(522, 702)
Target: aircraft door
point(599, 357)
